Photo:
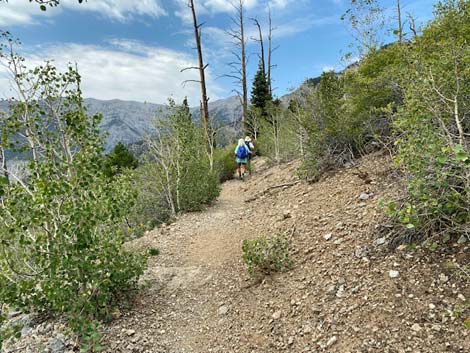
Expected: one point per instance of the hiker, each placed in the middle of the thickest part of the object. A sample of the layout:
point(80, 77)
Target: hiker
point(251, 150)
point(241, 154)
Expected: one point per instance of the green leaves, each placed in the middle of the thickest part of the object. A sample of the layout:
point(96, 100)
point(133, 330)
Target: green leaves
point(61, 225)
point(460, 154)
point(262, 255)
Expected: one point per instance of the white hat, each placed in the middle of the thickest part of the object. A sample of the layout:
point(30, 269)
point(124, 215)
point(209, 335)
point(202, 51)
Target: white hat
point(247, 139)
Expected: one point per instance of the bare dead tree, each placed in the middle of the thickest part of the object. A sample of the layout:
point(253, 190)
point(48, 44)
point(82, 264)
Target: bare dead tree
point(400, 24)
point(413, 25)
point(238, 66)
point(260, 41)
point(270, 52)
point(3, 163)
point(202, 78)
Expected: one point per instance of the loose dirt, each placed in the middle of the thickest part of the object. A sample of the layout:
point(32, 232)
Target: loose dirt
point(351, 293)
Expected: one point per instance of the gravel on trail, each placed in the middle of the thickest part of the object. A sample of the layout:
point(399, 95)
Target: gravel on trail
point(349, 289)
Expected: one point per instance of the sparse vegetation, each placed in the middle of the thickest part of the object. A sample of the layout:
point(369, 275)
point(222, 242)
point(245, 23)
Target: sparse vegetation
point(263, 256)
point(66, 214)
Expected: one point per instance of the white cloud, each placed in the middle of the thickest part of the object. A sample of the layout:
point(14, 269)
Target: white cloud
point(302, 24)
point(205, 7)
point(215, 6)
point(121, 10)
point(22, 12)
point(280, 4)
point(127, 70)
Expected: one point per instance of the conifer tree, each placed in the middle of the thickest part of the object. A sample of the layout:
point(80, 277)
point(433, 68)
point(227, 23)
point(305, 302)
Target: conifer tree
point(118, 160)
point(260, 90)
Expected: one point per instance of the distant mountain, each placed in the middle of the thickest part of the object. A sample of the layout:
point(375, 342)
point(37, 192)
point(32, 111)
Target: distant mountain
point(129, 121)
point(124, 121)
point(302, 91)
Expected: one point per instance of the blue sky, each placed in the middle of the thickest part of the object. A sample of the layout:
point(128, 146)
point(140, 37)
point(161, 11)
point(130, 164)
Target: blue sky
point(134, 50)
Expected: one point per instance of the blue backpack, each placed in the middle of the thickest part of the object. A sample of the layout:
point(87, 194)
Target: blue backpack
point(242, 152)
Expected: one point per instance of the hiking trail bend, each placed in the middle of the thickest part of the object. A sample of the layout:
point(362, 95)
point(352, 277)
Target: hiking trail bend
point(338, 298)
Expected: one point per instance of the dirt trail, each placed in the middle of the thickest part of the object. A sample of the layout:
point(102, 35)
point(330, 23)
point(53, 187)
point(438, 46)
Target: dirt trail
point(186, 285)
point(339, 297)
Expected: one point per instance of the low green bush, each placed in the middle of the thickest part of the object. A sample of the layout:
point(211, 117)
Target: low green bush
point(154, 251)
point(263, 256)
point(150, 208)
point(225, 163)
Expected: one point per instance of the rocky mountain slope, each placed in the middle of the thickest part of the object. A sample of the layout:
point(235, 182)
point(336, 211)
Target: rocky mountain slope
point(128, 121)
point(349, 291)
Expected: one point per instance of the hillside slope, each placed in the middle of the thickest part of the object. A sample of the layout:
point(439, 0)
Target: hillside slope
point(338, 298)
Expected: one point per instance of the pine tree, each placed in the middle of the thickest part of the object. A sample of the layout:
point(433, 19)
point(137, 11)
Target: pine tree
point(186, 112)
point(118, 160)
point(260, 91)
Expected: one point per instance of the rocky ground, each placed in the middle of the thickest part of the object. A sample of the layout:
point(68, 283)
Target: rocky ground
point(349, 289)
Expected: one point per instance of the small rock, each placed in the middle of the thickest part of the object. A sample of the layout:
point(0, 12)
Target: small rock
point(416, 328)
point(462, 240)
point(316, 309)
point(331, 289)
point(331, 341)
point(432, 306)
point(443, 278)
point(130, 332)
point(340, 292)
point(380, 241)
point(393, 274)
point(26, 330)
point(327, 236)
point(286, 214)
point(308, 251)
point(307, 329)
point(57, 344)
point(364, 196)
point(223, 310)
point(277, 315)
point(116, 314)
point(290, 341)
point(461, 297)
point(14, 314)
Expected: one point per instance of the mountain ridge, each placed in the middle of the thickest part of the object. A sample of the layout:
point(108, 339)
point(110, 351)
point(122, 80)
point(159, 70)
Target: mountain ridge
point(128, 121)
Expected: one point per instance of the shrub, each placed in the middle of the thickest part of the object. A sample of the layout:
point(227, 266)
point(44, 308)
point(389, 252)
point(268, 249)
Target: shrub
point(432, 128)
point(150, 208)
point(348, 113)
point(277, 134)
point(262, 256)
point(153, 251)
point(225, 163)
point(183, 170)
point(61, 242)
